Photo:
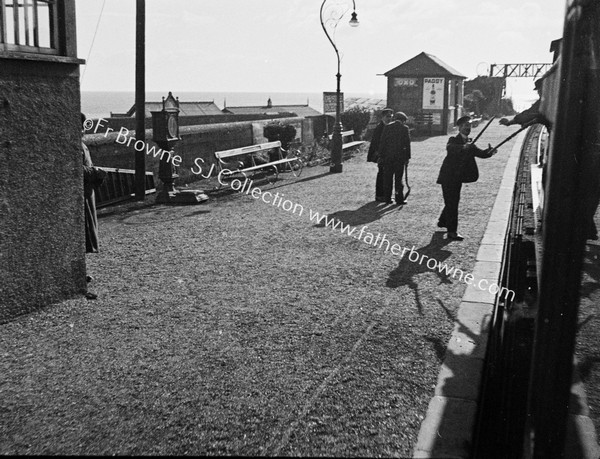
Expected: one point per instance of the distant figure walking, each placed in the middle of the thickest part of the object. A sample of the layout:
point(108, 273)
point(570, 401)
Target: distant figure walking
point(387, 115)
point(459, 167)
point(394, 155)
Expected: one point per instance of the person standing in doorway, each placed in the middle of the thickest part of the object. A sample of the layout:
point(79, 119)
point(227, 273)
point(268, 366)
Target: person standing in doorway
point(393, 157)
point(92, 178)
point(387, 115)
point(459, 167)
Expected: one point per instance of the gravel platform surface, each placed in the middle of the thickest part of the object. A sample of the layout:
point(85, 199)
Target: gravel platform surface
point(239, 327)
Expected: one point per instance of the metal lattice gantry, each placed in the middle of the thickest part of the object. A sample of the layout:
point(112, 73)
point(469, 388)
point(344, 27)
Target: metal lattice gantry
point(519, 70)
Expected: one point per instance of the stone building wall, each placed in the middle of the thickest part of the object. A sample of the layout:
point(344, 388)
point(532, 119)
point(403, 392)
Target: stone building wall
point(42, 246)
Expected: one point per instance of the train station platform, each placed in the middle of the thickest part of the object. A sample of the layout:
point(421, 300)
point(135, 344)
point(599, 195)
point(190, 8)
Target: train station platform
point(449, 426)
point(275, 320)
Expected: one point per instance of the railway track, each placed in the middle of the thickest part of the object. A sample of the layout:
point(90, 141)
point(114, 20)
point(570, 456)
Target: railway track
point(503, 410)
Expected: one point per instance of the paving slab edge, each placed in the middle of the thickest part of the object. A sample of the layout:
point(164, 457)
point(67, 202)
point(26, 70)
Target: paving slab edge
point(447, 429)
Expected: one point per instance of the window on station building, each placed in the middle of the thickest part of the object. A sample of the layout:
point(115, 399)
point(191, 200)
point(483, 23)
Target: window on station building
point(29, 26)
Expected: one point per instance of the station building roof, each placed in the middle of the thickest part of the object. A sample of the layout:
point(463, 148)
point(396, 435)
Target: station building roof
point(185, 109)
point(424, 64)
point(303, 111)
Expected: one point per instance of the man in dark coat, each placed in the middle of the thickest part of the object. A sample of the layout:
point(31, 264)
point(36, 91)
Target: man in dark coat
point(373, 154)
point(92, 178)
point(459, 167)
point(394, 154)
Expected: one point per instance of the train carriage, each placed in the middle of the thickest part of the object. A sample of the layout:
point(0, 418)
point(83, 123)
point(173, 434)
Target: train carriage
point(543, 362)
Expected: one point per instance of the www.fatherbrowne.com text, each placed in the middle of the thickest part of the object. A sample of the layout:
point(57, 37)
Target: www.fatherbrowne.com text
point(378, 241)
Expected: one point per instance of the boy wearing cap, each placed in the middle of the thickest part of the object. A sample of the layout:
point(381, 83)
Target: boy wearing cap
point(394, 154)
point(459, 167)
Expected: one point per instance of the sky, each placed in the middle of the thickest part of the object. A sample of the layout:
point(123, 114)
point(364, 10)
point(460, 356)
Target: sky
point(280, 46)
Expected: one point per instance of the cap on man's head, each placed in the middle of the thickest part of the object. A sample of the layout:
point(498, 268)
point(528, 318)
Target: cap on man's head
point(401, 116)
point(463, 120)
point(387, 111)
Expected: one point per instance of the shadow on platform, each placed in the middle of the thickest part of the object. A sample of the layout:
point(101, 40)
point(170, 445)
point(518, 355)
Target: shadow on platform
point(367, 213)
point(407, 269)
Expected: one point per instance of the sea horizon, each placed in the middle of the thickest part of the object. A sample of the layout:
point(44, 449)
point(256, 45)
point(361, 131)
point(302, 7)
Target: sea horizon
point(96, 104)
point(100, 104)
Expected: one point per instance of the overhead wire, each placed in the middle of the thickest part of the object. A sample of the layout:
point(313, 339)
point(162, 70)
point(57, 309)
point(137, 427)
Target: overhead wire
point(87, 61)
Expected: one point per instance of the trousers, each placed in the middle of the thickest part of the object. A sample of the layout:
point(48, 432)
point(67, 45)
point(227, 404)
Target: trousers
point(449, 215)
point(379, 185)
point(391, 178)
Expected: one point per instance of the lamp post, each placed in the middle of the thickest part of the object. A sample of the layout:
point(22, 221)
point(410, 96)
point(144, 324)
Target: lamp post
point(140, 98)
point(331, 17)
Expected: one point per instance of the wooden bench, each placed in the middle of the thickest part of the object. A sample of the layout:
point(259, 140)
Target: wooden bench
point(423, 123)
point(229, 164)
point(424, 118)
point(351, 143)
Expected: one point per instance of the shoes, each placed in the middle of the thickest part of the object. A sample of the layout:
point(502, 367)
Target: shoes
point(91, 296)
point(89, 279)
point(400, 199)
point(455, 236)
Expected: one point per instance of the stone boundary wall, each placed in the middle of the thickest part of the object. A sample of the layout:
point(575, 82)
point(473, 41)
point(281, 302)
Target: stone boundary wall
point(191, 120)
point(199, 141)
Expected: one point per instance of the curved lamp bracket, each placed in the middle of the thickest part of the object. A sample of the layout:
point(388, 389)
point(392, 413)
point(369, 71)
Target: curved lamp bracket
point(332, 12)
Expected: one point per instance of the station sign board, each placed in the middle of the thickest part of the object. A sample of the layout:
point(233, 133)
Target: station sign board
point(405, 82)
point(329, 102)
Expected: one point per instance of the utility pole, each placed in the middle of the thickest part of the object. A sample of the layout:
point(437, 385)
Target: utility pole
point(140, 98)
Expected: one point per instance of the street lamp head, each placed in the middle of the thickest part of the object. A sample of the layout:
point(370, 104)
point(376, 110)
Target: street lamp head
point(354, 20)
